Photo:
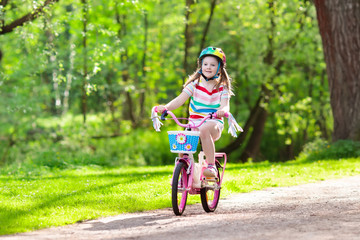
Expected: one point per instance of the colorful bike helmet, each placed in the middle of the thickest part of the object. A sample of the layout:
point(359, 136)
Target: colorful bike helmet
point(213, 51)
point(216, 52)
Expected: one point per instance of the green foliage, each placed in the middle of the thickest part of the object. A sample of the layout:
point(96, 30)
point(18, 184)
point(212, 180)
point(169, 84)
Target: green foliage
point(134, 59)
point(321, 149)
point(65, 143)
point(140, 147)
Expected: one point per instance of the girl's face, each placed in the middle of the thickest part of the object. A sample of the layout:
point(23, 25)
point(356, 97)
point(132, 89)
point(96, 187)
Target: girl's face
point(209, 66)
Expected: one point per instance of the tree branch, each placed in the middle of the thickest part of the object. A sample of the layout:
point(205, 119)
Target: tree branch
point(206, 29)
point(26, 18)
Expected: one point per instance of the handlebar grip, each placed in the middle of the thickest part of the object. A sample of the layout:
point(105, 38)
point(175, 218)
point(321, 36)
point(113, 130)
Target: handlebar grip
point(214, 115)
point(164, 114)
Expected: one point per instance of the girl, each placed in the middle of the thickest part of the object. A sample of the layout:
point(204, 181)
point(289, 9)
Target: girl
point(210, 89)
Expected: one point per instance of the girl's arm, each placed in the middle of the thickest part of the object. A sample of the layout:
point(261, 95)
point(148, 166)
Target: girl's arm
point(175, 103)
point(224, 107)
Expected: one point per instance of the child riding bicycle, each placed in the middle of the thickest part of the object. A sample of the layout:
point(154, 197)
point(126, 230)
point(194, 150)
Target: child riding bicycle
point(209, 88)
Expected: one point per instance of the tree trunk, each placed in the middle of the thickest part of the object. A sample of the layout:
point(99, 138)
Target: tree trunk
point(188, 38)
point(10, 142)
point(128, 109)
point(322, 118)
point(253, 146)
point(207, 26)
point(339, 24)
point(69, 77)
point(56, 99)
point(85, 72)
point(233, 146)
point(69, 73)
point(50, 74)
point(143, 86)
point(111, 98)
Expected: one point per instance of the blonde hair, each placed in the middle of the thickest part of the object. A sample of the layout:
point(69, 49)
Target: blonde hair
point(224, 78)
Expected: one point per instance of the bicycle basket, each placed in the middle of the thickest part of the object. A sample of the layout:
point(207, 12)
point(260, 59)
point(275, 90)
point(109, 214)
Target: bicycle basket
point(183, 141)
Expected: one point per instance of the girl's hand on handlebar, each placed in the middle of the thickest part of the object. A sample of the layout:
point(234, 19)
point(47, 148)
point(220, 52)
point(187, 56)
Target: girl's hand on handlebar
point(161, 108)
point(220, 113)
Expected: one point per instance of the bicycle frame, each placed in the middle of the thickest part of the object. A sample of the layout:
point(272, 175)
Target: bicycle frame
point(188, 160)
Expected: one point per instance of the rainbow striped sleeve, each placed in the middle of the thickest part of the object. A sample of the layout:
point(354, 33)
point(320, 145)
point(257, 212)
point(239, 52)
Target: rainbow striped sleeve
point(225, 94)
point(189, 89)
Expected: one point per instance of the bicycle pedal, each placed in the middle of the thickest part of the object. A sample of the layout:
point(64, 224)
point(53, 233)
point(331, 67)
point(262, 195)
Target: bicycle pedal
point(210, 179)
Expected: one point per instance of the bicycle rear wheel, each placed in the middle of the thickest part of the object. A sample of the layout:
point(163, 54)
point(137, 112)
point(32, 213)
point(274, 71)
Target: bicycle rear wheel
point(210, 195)
point(179, 192)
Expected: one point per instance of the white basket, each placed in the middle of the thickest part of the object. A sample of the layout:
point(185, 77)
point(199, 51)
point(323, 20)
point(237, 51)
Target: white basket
point(183, 141)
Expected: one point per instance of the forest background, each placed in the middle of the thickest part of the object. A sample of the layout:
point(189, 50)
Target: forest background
point(78, 78)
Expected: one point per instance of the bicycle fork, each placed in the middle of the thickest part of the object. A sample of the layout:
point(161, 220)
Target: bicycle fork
point(189, 162)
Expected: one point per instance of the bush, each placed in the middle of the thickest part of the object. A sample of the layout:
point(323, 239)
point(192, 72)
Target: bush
point(140, 147)
point(59, 143)
point(321, 149)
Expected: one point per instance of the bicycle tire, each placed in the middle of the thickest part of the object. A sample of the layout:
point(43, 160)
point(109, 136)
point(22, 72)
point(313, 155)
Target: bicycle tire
point(210, 197)
point(178, 189)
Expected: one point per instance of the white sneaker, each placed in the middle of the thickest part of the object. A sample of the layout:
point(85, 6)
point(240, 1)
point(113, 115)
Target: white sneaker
point(210, 171)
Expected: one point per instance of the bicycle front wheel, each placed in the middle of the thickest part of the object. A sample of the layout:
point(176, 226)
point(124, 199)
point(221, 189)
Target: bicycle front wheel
point(179, 192)
point(210, 195)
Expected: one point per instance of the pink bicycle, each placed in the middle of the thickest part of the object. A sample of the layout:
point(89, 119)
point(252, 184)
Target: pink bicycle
point(187, 175)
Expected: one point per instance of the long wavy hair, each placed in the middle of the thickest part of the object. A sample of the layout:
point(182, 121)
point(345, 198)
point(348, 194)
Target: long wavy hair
point(224, 78)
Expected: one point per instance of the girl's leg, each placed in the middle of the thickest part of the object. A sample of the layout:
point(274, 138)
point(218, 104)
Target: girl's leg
point(209, 133)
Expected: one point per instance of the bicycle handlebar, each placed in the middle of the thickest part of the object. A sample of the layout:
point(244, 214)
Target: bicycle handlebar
point(233, 125)
point(189, 125)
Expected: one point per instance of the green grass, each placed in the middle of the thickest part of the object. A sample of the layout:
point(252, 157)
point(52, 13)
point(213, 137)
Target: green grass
point(35, 200)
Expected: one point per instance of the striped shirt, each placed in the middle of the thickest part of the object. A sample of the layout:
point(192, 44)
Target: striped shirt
point(202, 101)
